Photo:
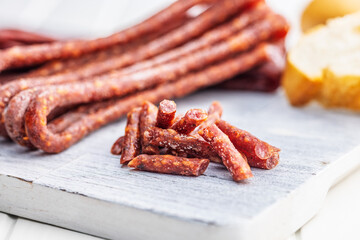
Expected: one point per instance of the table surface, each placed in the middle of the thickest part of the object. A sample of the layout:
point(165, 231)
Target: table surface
point(340, 212)
point(337, 219)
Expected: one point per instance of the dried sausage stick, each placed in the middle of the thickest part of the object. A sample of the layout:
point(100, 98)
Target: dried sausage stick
point(183, 145)
point(14, 116)
point(13, 124)
point(255, 80)
point(214, 114)
point(195, 61)
point(10, 44)
point(166, 114)
point(213, 36)
point(131, 147)
point(231, 157)
point(118, 146)
point(170, 164)
point(8, 77)
point(147, 121)
point(264, 78)
point(191, 119)
point(203, 57)
point(193, 28)
point(23, 36)
point(31, 55)
point(258, 153)
point(73, 64)
point(36, 114)
point(112, 85)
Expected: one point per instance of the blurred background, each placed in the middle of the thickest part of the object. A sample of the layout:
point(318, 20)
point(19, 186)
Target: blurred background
point(95, 18)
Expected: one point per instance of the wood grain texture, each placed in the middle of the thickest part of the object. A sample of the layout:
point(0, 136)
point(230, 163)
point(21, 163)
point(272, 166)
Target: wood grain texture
point(86, 182)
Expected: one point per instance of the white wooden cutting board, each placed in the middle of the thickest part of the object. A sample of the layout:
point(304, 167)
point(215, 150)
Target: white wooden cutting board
point(87, 190)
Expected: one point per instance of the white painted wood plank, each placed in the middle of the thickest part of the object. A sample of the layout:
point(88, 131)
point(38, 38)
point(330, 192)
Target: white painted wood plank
point(212, 206)
point(339, 217)
point(6, 226)
point(29, 230)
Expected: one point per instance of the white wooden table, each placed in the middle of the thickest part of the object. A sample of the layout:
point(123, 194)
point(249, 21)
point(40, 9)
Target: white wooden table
point(340, 215)
point(338, 218)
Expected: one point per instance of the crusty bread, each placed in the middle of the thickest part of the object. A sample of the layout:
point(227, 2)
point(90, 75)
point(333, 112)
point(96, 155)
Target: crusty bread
point(325, 65)
point(318, 11)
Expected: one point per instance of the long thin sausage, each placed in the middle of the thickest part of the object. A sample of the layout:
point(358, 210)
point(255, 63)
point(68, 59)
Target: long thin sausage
point(131, 147)
point(36, 115)
point(233, 160)
point(209, 18)
point(170, 164)
point(31, 55)
point(259, 153)
point(115, 86)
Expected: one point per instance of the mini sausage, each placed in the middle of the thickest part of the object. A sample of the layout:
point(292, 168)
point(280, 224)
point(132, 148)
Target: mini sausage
point(170, 164)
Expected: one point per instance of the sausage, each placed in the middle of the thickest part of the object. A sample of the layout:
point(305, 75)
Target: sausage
point(191, 119)
point(75, 64)
point(115, 84)
point(23, 36)
point(42, 138)
point(213, 36)
point(14, 117)
point(233, 160)
point(238, 43)
point(265, 78)
point(214, 114)
point(15, 126)
point(112, 85)
point(259, 153)
point(10, 44)
point(166, 114)
point(118, 146)
point(10, 76)
point(147, 121)
point(31, 55)
point(183, 145)
point(131, 146)
point(170, 164)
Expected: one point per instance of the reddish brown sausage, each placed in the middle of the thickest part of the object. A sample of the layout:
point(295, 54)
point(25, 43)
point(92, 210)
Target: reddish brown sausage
point(112, 85)
point(214, 114)
point(42, 138)
point(131, 147)
point(147, 121)
point(231, 157)
point(118, 146)
point(76, 64)
point(166, 114)
point(191, 119)
point(31, 55)
point(23, 36)
point(170, 164)
point(259, 153)
point(183, 145)
point(192, 62)
point(14, 125)
point(265, 78)
point(213, 36)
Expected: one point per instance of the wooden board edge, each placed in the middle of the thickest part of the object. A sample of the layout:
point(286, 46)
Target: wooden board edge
point(289, 214)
